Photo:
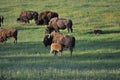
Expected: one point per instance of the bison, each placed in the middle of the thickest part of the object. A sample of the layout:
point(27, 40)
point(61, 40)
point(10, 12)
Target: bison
point(97, 31)
point(65, 40)
point(25, 16)
point(1, 20)
point(7, 33)
point(59, 23)
point(57, 48)
point(45, 17)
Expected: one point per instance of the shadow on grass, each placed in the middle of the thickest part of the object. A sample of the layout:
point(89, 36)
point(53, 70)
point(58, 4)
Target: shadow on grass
point(111, 31)
point(27, 28)
point(97, 45)
point(47, 64)
point(23, 47)
point(39, 48)
point(83, 62)
point(106, 32)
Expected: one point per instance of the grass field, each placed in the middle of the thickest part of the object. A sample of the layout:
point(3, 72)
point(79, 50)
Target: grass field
point(95, 57)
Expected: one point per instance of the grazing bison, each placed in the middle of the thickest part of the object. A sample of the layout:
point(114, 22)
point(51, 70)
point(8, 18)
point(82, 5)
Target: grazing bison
point(7, 33)
point(45, 17)
point(25, 16)
point(98, 31)
point(1, 20)
point(59, 23)
point(57, 48)
point(65, 40)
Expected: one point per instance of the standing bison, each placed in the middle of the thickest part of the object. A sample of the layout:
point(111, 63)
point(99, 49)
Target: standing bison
point(65, 40)
point(25, 16)
point(7, 33)
point(56, 48)
point(45, 17)
point(1, 20)
point(59, 23)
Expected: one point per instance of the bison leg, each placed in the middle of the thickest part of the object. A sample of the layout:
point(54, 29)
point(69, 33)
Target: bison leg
point(2, 19)
point(55, 53)
point(71, 50)
point(71, 29)
point(28, 21)
point(15, 39)
point(51, 51)
point(59, 53)
point(45, 22)
point(68, 29)
point(56, 29)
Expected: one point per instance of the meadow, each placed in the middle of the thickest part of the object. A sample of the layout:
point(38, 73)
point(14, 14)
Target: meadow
point(95, 57)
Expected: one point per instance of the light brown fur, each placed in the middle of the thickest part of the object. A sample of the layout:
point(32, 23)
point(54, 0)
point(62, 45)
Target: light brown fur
point(56, 47)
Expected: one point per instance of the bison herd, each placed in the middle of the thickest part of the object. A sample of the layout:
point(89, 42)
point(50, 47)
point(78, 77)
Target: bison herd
point(63, 42)
point(53, 38)
point(40, 19)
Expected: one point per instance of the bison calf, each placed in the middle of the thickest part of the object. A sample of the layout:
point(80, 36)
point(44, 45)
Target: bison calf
point(7, 33)
point(57, 48)
point(65, 40)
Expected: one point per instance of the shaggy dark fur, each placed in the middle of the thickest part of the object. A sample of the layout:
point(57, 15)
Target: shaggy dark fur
point(98, 31)
point(45, 17)
point(25, 16)
point(65, 40)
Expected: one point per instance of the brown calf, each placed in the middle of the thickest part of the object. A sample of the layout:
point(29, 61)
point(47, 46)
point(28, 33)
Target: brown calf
point(57, 48)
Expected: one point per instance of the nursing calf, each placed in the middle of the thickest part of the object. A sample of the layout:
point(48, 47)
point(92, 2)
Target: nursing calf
point(65, 40)
point(56, 48)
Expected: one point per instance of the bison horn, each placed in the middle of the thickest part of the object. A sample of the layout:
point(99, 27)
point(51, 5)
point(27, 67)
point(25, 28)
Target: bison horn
point(48, 35)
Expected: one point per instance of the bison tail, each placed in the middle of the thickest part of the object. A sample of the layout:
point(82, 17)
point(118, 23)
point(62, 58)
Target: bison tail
point(71, 25)
point(15, 34)
point(73, 42)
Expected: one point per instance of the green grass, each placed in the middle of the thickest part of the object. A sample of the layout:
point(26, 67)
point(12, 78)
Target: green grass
point(95, 57)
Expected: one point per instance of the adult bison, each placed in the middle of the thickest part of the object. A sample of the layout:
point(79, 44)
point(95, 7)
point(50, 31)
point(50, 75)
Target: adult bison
point(6, 33)
point(25, 16)
point(45, 17)
point(1, 20)
point(59, 23)
point(65, 40)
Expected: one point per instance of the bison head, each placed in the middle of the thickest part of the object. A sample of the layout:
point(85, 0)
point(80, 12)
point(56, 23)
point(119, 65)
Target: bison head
point(47, 40)
point(39, 22)
point(48, 30)
point(18, 19)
